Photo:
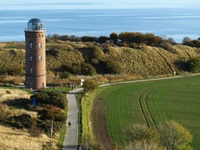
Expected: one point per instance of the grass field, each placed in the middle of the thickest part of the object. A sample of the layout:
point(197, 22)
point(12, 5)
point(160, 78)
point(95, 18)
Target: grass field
point(150, 103)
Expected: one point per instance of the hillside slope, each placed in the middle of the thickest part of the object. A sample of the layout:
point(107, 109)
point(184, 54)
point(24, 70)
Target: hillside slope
point(87, 58)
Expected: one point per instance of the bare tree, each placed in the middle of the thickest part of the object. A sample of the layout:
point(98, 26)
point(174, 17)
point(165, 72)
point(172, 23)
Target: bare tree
point(174, 136)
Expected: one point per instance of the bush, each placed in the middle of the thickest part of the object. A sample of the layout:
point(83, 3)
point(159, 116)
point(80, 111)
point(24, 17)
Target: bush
point(22, 121)
point(113, 68)
point(51, 113)
point(34, 131)
point(193, 64)
point(51, 98)
point(90, 85)
point(45, 125)
point(65, 75)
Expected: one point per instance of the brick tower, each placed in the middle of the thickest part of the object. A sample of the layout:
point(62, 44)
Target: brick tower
point(35, 55)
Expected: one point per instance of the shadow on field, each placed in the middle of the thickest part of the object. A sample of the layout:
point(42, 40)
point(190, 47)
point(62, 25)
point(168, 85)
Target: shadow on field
point(21, 103)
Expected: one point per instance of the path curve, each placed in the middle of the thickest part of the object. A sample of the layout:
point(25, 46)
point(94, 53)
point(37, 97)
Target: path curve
point(71, 137)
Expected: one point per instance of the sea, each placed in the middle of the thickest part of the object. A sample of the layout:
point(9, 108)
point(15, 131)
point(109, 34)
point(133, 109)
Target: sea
point(175, 23)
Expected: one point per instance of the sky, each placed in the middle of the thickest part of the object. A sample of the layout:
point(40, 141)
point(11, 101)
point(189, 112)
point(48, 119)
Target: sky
point(94, 4)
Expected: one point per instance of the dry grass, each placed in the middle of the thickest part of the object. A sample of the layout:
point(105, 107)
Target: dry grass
point(12, 79)
point(12, 94)
point(12, 139)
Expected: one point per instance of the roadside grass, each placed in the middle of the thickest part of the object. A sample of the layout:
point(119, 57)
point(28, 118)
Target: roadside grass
point(79, 98)
point(61, 137)
point(174, 99)
point(87, 132)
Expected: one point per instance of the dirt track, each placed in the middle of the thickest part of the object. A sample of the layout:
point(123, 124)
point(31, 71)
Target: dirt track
point(99, 124)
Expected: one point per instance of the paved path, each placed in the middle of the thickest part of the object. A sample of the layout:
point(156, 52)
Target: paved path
point(71, 137)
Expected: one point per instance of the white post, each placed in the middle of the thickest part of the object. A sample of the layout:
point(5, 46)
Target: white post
point(51, 129)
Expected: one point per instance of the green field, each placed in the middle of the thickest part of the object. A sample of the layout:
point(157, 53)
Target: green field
point(153, 102)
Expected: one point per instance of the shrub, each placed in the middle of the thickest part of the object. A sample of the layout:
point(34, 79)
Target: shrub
point(90, 85)
point(114, 37)
point(22, 121)
point(193, 64)
point(51, 113)
point(51, 98)
point(34, 131)
point(113, 68)
point(64, 75)
point(174, 136)
point(8, 92)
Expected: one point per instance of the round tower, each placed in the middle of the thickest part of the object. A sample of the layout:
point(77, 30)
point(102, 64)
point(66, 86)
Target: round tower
point(35, 55)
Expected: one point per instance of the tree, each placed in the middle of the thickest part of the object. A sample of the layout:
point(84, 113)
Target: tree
point(174, 136)
point(123, 36)
point(89, 39)
point(102, 39)
point(186, 40)
point(50, 112)
point(88, 69)
point(193, 64)
point(90, 85)
point(141, 137)
point(113, 68)
point(143, 145)
point(139, 132)
point(114, 37)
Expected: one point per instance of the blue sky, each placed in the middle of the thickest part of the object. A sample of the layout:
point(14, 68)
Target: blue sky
point(95, 4)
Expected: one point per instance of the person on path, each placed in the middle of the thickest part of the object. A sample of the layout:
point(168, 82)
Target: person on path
point(69, 123)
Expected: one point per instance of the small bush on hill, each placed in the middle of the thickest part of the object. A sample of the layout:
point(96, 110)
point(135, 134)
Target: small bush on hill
point(193, 64)
point(50, 112)
point(34, 131)
point(90, 85)
point(51, 98)
point(22, 121)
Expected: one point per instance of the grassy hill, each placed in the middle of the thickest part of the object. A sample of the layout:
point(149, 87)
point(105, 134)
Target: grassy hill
point(68, 58)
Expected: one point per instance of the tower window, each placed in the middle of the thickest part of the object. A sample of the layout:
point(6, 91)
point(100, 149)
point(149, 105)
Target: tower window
point(31, 45)
point(31, 58)
point(40, 45)
point(31, 70)
point(40, 58)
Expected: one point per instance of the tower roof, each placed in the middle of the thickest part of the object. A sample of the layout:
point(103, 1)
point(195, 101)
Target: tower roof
point(35, 24)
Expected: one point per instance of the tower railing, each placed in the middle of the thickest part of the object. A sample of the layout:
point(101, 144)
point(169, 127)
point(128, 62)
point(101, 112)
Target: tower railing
point(38, 30)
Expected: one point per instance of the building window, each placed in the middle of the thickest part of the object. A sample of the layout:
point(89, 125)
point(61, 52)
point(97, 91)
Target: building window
point(31, 58)
point(31, 70)
point(31, 45)
point(40, 58)
point(40, 45)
